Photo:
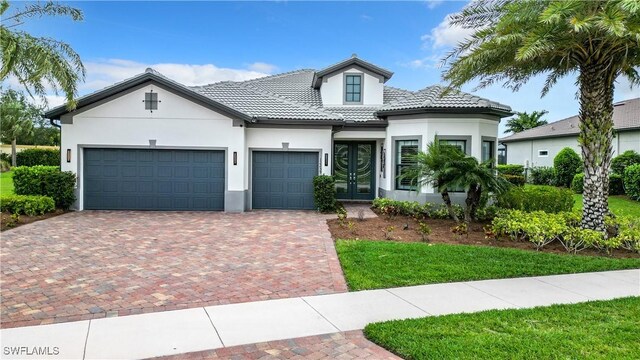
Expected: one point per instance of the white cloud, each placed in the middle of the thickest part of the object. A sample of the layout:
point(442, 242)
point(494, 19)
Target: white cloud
point(366, 17)
point(263, 67)
point(106, 72)
point(432, 4)
point(445, 35)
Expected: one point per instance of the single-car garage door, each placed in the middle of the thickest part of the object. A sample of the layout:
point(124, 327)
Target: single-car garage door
point(145, 179)
point(283, 180)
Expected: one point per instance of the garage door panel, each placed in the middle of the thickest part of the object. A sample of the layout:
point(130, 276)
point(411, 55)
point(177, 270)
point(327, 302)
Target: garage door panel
point(283, 180)
point(153, 179)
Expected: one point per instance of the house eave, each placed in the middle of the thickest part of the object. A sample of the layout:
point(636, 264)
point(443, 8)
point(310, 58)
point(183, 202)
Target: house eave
point(489, 111)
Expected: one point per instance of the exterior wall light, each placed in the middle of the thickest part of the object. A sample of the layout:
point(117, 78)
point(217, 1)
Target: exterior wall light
point(326, 159)
point(68, 155)
point(235, 158)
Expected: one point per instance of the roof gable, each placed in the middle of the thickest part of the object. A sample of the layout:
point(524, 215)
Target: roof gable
point(352, 61)
point(149, 76)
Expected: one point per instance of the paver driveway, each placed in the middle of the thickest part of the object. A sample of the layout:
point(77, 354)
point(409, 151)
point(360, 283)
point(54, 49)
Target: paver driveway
point(93, 264)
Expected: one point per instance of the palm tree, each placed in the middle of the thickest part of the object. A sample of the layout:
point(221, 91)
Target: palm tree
point(475, 177)
point(16, 120)
point(598, 40)
point(525, 121)
point(429, 168)
point(39, 62)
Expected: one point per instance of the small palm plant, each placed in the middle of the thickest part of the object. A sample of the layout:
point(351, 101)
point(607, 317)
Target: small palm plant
point(447, 167)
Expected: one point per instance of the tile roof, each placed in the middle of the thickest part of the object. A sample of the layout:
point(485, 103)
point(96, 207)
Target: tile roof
point(291, 96)
point(261, 104)
point(626, 116)
point(431, 97)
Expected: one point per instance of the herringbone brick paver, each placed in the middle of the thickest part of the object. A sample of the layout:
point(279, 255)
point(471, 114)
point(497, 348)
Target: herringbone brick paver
point(347, 345)
point(93, 264)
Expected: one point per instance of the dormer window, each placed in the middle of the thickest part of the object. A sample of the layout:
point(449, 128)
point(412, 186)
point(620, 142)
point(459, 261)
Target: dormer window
point(353, 89)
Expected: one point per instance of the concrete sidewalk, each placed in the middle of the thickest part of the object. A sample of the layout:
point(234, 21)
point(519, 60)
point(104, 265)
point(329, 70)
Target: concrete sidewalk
point(182, 331)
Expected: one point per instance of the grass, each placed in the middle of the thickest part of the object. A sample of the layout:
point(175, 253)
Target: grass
point(619, 204)
point(380, 264)
point(593, 330)
point(6, 183)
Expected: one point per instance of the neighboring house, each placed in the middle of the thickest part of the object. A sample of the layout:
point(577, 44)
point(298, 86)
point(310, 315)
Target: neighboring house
point(538, 146)
point(151, 143)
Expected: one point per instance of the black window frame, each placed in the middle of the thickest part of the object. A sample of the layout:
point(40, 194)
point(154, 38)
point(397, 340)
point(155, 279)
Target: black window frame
point(352, 91)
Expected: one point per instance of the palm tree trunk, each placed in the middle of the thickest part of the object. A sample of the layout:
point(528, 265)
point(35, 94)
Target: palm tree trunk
point(472, 200)
point(13, 153)
point(596, 134)
point(447, 201)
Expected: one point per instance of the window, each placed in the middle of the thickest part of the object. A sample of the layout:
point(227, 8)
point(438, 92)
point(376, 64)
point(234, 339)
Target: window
point(460, 144)
point(543, 153)
point(487, 150)
point(151, 101)
point(353, 89)
point(405, 149)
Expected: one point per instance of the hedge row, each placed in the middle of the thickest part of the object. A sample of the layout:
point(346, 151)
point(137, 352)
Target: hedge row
point(46, 181)
point(536, 198)
point(27, 204)
point(35, 157)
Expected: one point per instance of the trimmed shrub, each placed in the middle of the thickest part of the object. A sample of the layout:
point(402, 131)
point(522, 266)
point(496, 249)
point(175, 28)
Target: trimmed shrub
point(46, 181)
point(27, 204)
point(324, 193)
point(510, 169)
point(577, 184)
point(541, 229)
point(517, 180)
point(5, 157)
point(624, 160)
point(616, 185)
point(632, 181)
point(34, 157)
point(542, 175)
point(566, 165)
point(4, 166)
point(536, 198)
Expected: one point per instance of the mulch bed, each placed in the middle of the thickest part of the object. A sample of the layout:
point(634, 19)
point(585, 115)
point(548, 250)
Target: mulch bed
point(406, 230)
point(7, 222)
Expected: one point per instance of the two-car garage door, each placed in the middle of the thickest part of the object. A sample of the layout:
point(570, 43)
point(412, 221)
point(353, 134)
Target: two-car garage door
point(151, 179)
point(155, 179)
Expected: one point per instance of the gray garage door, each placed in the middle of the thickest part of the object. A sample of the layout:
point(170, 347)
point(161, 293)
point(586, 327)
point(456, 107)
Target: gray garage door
point(283, 180)
point(128, 179)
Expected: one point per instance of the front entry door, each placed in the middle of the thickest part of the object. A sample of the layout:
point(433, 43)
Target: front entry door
point(354, 170)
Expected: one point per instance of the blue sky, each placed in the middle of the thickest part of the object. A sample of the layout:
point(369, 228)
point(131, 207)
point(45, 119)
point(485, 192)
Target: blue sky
point(203, 42)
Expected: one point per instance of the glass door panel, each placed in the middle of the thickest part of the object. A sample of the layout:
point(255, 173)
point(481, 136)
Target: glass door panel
point(341, 170)
point(364, 169)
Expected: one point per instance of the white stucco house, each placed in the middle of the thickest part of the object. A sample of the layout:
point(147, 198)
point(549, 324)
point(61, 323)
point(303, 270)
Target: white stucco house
point(151, 143)
point(540, 145)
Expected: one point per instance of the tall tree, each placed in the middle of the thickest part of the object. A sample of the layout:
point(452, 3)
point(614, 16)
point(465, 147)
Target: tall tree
point(39, 63)
point(16, 120)
point(596, 40)
point(525, 121)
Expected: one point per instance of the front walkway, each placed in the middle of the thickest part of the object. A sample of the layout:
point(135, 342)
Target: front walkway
point(221, 326)
point(96, 264)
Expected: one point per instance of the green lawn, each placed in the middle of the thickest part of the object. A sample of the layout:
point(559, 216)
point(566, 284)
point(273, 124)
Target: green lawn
point(6, 183)
point(618, 204)
point(594, 330)
point(380, 264)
